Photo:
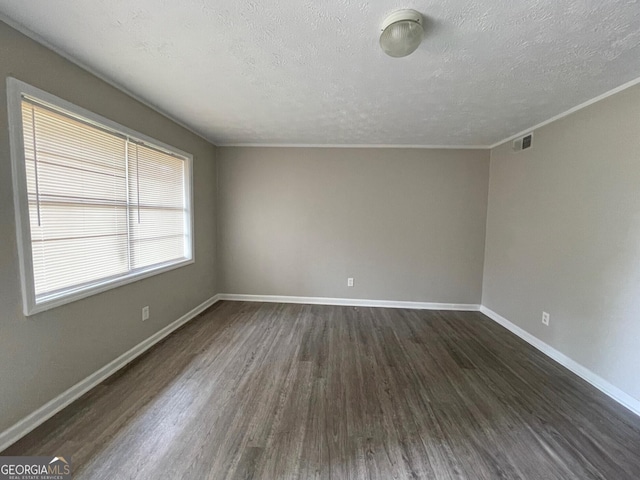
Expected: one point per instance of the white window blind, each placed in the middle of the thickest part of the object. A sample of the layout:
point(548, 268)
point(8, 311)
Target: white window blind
point(102, 205)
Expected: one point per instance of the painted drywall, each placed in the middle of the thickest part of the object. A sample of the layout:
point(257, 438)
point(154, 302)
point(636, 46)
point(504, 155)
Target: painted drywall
point(563, 236)
point(406, 224)
point(43, 355)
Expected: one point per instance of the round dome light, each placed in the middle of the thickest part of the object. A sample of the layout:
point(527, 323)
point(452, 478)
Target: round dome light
point(402, 33)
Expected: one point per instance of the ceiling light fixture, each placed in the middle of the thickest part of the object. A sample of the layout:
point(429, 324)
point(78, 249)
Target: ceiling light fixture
point(401, 33)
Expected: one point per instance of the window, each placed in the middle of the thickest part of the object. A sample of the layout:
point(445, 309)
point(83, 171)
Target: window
point(97, 205)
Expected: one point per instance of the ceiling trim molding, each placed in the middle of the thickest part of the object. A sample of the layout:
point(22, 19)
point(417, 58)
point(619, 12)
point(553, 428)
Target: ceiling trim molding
point(38, 39)
point(354, 145)
point(619, 89)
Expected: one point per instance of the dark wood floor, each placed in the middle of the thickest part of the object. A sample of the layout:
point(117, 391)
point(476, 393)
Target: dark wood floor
point(270, 391)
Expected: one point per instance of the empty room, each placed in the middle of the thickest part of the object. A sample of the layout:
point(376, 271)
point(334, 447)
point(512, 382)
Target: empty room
point(320, 240)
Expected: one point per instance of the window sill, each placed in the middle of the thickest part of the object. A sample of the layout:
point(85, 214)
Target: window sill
point(74, 294)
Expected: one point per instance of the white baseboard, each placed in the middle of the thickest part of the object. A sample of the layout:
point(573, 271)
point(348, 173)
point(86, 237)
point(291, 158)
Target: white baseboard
point(350, 302)
point(600, 383)
point(49, 409)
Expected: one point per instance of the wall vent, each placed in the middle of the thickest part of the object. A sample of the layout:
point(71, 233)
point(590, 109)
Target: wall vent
point(523, 143)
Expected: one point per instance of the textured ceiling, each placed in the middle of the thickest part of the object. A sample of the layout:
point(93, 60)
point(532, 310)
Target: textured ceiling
point(311, 71)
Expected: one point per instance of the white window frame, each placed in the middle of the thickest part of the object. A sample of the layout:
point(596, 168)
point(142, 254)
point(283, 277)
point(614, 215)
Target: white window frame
point(16, 89)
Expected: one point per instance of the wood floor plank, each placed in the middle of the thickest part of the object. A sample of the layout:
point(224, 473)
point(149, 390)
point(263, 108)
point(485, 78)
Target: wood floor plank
point(275, 391)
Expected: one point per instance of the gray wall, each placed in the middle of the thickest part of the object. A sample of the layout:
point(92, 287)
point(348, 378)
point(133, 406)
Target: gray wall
point(43, 355)
point(563, 235)
point(407, 224)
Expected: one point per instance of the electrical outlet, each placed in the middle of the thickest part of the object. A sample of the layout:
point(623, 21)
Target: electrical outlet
point(545, 318)
point(349, 282)
point(145, 313)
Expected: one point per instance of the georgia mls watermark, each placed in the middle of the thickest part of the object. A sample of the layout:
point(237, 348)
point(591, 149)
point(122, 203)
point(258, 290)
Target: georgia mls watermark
point(35, 468)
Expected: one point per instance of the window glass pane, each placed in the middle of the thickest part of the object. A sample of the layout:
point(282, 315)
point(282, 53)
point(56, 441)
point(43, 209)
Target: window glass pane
point(100, 205)
point(76, 185)
point(158, 206)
